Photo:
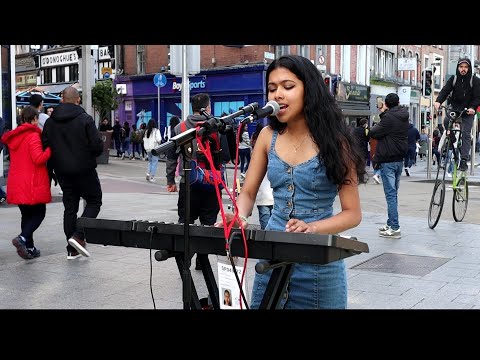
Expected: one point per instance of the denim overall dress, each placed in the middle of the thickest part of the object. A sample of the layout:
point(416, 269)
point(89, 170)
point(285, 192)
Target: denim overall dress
point(303, 192)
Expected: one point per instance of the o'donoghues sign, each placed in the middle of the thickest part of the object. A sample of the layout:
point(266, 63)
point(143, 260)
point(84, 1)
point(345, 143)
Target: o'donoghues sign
point(65, 58)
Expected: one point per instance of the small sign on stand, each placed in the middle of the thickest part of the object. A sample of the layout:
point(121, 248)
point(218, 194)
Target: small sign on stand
point(228, 289)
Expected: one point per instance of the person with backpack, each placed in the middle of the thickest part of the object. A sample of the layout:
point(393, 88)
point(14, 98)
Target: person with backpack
point(136, 138)
point(203, 201)
point(463, 90)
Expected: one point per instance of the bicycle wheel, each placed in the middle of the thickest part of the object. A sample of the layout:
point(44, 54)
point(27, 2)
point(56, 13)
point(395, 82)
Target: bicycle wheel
point(436, 203)
point(460, 199)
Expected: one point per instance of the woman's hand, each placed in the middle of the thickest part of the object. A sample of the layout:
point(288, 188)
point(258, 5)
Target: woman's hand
point(295, 225)
point(238, 222)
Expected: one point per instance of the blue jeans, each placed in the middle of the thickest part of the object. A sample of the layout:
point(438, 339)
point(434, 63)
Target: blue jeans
point(311, 286)
point(264, 212)
point(152, 164)
point(391, 182)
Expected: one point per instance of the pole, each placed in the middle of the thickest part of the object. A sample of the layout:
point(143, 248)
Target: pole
point(158, 96)
point(185, 85)
point(87, 72)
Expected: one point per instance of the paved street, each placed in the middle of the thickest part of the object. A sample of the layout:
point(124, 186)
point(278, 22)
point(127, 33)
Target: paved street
point(425, 269)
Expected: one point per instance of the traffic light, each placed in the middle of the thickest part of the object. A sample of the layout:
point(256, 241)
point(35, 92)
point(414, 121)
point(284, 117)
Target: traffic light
point(427, 82)
point(327, 79)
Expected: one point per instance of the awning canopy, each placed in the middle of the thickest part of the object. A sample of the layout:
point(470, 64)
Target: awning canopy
point(23, 97)
point(54, 88)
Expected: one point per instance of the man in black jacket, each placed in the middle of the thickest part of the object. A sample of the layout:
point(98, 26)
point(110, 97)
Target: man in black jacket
point(392, 135)
point(75, 143)
point(465, 94)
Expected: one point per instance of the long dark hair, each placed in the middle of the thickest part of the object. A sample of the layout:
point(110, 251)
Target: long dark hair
point(151, 125)
point(174, 121)
point(324, 120)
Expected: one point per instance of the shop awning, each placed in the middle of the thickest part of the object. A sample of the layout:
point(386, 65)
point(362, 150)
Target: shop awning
point(23, 97)
point(54, 88)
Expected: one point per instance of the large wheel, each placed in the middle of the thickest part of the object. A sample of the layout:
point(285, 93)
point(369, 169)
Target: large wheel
point(436, 203)
point(460, 199)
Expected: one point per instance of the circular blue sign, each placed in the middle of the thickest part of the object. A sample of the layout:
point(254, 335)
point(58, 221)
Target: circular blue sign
point(160, 80)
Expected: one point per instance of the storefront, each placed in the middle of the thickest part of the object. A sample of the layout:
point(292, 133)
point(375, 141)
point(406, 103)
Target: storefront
point(229, 89)
point(353, 100)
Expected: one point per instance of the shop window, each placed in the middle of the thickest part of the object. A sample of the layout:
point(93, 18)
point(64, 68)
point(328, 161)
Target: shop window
point(47, 76)
point(73, 72)
point(60, 73)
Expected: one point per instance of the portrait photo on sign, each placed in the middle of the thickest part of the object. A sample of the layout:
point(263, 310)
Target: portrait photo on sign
point(227, 297)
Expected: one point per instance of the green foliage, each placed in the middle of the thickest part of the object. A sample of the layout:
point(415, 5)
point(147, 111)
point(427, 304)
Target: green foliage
point(104, 97)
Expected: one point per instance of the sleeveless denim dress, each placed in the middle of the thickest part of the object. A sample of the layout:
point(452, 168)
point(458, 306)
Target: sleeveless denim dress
point(303, 192)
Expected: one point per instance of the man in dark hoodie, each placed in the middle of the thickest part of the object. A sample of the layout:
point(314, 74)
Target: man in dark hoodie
point(75, 142)
point(465, 94)
point(203, 203)
point(392, 135)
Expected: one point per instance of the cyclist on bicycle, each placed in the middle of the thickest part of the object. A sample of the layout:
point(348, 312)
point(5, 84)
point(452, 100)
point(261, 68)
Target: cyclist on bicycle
point(463, 90)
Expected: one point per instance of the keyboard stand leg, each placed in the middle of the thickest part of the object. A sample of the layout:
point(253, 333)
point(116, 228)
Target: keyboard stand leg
point(276, 287)
point(194, 301)
point(209, 279)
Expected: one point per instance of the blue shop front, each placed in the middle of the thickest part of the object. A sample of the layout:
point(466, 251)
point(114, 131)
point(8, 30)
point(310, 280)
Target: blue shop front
point(229, 89)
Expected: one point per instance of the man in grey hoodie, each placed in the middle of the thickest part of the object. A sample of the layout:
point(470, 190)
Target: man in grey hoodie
point(392, 135)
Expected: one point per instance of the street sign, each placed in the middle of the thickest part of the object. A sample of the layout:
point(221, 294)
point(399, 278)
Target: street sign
point(321, 59)
point(160, 80)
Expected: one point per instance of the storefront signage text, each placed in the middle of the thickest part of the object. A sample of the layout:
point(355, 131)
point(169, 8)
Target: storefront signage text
point(193, 85)
point(70, 57)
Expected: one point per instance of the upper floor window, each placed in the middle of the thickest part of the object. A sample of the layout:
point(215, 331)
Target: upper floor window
point(383, 63)
point(140, 59)
point(303, 50)
point(281, 50)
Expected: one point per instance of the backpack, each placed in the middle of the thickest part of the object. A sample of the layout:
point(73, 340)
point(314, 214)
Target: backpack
point(201, 175)
point(455, 80)
point(137, 136)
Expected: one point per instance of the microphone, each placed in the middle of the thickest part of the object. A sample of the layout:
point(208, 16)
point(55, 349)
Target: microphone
point(219, 124)
point(270, 108)
point(247, 109)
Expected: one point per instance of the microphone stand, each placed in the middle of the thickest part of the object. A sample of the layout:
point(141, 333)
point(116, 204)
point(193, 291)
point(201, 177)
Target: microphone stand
point(178, 141)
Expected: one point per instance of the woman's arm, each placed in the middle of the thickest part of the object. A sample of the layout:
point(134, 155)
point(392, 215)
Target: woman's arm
point(37, 154)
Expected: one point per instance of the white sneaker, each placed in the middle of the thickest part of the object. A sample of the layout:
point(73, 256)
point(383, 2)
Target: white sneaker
point(390, 233)
point(376, 179)
point(384, 228)
point(148, 177)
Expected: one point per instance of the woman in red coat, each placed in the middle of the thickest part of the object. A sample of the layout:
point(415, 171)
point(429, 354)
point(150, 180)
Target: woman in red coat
point(28, 183)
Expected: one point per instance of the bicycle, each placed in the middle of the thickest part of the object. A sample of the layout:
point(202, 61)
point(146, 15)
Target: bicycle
point(450, 145)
